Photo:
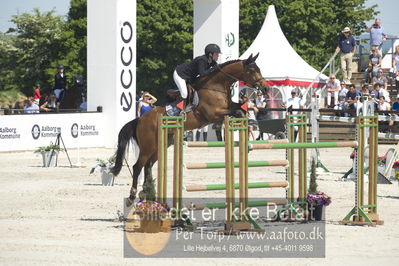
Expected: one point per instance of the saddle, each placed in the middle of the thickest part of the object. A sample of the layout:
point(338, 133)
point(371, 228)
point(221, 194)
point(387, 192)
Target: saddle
point(174, 97)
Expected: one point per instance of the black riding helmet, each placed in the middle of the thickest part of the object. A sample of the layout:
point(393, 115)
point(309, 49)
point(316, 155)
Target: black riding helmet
point(212, 48)
point(60, 66)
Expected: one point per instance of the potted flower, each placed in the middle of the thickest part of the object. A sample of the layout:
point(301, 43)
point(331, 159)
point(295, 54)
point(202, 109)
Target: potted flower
point(316, 200)
point(104, 167)
point(396, 167)
point(49, 154)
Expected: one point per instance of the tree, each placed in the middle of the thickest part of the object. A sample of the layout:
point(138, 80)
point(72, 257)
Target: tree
point(164, 40)
point(32, 46)
point(75, 39)
point(312, 27)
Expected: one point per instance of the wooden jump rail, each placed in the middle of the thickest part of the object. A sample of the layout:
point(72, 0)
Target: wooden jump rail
point(236, 164)
point(353, 119)
point(203, 144)
point(236, 186)
point(338, 144)
point(223, 205)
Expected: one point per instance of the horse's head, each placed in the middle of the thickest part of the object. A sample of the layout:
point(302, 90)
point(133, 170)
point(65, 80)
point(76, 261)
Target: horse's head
point(251, 73)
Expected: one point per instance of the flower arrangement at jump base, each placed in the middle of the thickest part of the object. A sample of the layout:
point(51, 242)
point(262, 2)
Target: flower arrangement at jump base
point(104, 167)
point(316, 200)
point(151, 217)
point(396, 167)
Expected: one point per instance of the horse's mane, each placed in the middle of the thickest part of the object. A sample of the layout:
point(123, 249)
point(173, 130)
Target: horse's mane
point(203, 79)
point(229, 62)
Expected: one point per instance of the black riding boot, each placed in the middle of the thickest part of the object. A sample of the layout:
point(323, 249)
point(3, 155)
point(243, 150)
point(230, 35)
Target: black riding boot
point(197, 136)
point(205, 135)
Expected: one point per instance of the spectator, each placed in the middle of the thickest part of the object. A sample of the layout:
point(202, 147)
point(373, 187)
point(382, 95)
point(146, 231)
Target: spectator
point(31, 107)
point(333, 86)
point(381, 79)
point(341, 96)
point(146, 105)
point(60, 82)
point(381, 92)
point(351, 97)
point(347, 46)
point(83, 105)
point(197, 133)
point(139, 99)
point(260, 103)
point(36, 94)
point(218, 129)
point(377, 35)
point(395, 105)
point(43, 98)
point(365, 90)
point(251, 116)
point(395, 66)
point(383, 105)
point(294, 101)
point(50, 105)
point(374, 65)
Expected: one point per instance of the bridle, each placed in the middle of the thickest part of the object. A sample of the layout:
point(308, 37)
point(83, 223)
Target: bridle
point(255, 84)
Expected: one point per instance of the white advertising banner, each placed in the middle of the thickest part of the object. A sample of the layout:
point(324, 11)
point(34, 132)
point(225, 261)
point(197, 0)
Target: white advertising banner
point(217, 21)
point(111, 55)
point(28, 132)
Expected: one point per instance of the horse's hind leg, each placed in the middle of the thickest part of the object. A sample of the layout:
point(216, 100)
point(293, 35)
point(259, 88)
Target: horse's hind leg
point(133, 190)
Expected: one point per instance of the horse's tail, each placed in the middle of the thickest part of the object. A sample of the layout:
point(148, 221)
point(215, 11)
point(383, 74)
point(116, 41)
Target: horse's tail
point(127, 132)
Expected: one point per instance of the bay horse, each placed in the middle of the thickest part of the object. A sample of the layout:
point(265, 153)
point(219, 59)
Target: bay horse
point(214, 103)
point(73, 96)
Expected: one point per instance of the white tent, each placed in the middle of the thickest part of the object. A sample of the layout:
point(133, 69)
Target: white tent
point(280, 65)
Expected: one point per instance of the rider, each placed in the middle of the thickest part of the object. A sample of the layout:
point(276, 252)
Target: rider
point(200, 66)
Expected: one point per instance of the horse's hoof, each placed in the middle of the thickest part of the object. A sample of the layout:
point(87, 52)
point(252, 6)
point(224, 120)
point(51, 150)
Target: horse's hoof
point(129, 202)
point(142, 195)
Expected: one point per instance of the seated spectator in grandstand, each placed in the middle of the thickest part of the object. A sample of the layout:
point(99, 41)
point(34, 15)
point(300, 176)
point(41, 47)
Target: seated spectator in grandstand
point(395, 105)
point(333, 86)
point(384, 106)
point(341, 96)
point(36, 93)
point(351, 98)
point(146, 105)
point(381, 79)
point(31, 107)
point(381, 92)
point(365, 90)
point(260, 103)
point(374, 65)
point(395, 66)
point(50, 105)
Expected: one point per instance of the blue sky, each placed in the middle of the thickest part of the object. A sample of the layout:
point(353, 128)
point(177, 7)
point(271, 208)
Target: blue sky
point(388, 9)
